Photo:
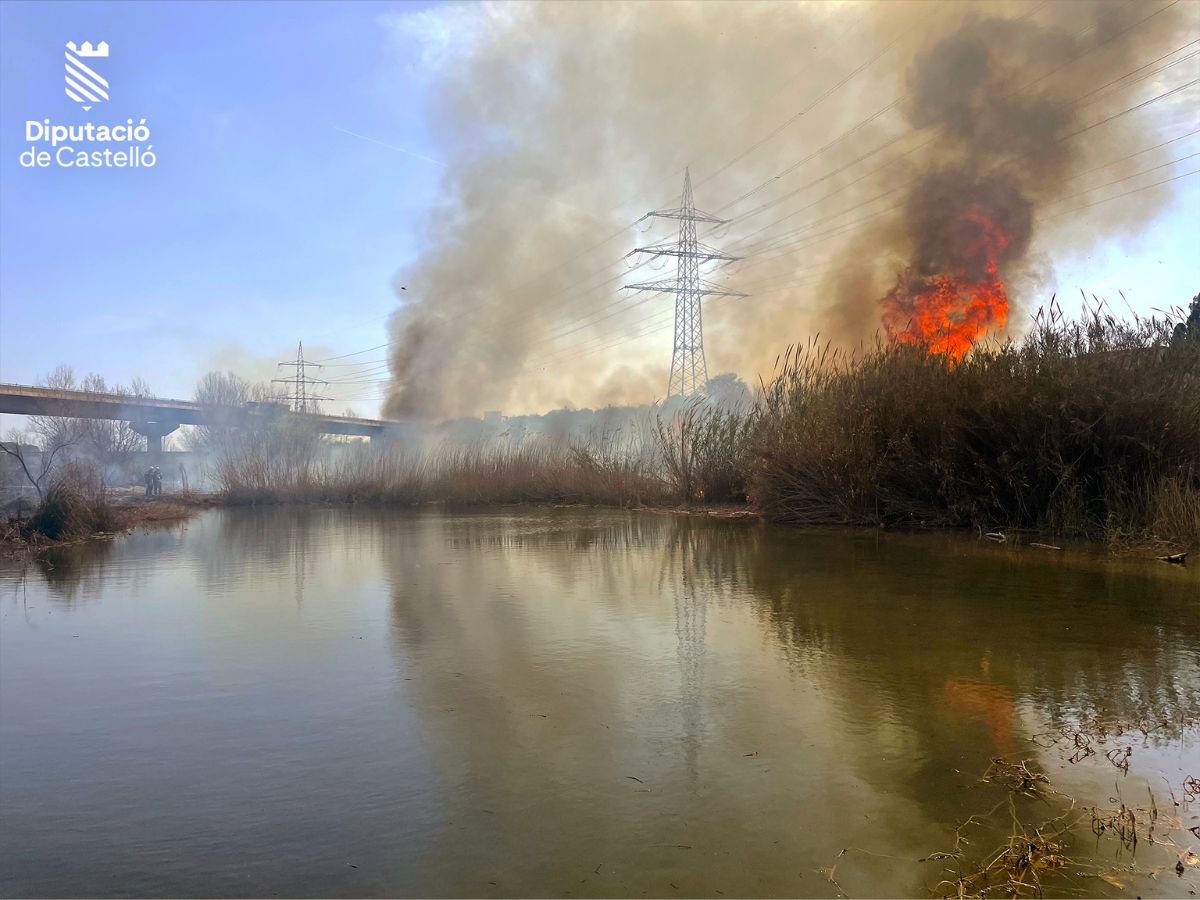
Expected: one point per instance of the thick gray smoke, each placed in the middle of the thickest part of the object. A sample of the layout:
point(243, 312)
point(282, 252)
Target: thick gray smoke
point(564, 122)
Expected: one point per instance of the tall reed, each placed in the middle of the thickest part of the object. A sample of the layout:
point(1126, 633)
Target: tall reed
point(1088, 427)
point(532, 472)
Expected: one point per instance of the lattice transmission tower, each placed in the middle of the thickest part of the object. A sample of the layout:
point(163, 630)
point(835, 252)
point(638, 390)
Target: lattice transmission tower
point(689, 372)
point(300, 396)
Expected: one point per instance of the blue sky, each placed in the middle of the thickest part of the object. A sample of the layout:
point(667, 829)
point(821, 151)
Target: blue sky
point(264, 221)
point(262, 224)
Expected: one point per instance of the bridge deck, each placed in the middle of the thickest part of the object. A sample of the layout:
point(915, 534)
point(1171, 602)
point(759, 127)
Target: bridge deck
point(27, 400)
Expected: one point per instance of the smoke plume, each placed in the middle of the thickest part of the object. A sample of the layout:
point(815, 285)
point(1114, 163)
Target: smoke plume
point(928, 146)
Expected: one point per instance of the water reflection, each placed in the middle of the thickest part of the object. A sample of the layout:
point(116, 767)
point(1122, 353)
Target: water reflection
point(690, 601)
point(548, 702)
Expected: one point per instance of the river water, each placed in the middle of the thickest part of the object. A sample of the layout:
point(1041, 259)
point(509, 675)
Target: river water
point(572, 702)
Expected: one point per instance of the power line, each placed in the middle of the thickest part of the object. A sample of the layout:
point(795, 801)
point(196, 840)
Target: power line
point(1119, 196)
point(811, 280)
point(895, 103)
point(897, 158)
point(596, 318)
point(583, 350)
point(605, 342)
point(771, 244)
point(825, 95)
point(828, 93)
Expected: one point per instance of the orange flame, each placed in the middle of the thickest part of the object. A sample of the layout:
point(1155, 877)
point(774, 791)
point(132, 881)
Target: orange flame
point(948, 312)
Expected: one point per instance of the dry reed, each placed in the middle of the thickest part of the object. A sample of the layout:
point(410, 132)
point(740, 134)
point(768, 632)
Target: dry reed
point(1088, 427)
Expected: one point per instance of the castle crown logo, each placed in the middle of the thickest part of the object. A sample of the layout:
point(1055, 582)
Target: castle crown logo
point(83, 84)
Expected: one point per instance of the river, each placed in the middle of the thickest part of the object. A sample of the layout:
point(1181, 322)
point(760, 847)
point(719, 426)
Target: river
point(566, 702)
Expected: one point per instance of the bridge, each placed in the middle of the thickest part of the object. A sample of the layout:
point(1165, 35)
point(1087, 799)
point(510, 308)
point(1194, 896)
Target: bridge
point(156, 417)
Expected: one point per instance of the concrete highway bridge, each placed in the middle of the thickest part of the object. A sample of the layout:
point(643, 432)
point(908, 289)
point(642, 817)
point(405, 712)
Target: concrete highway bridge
point(156, 417)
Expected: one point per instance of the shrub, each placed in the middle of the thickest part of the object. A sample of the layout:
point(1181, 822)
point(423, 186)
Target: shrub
point(76, 504)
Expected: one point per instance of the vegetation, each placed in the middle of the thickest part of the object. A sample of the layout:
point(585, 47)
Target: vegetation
point(218, 392)
point(75, 505)
point(705, 453)
point(111, 443)
point(1086, 427)
point(294, 465)
point(35, 458)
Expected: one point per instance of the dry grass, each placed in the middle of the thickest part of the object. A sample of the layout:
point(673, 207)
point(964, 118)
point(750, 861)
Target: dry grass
point(702, 454)
point(1033, 853)
point(274, 467)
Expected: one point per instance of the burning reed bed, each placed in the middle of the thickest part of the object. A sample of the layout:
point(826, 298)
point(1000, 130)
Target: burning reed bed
point(1088, 428)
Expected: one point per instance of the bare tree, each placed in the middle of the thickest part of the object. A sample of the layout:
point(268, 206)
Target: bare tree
point(39, 472)
point(226, 390)
point(222, 389)
point(54, 430)
point(215, 391)
point(109, 442)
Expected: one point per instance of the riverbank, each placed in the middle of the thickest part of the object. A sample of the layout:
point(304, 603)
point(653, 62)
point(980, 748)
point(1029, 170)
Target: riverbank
point(20, 535)
point(1084, 429)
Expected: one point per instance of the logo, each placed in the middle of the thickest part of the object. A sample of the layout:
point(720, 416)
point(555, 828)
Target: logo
point(87, 145)
point(84, 84)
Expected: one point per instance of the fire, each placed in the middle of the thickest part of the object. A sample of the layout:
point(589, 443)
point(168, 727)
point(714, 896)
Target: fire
point(948, 312)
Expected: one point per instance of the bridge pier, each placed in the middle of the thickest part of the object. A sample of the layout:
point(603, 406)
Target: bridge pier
point(154, 432)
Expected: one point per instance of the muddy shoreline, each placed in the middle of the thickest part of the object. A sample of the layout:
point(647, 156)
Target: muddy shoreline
point(133, 512)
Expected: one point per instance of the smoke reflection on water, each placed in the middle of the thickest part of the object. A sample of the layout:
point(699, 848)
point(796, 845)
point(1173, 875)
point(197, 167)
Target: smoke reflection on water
point(365, 702)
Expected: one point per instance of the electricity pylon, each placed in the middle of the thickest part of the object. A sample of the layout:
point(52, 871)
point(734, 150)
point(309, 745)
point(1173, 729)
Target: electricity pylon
point(689, 372)
point(300, 397)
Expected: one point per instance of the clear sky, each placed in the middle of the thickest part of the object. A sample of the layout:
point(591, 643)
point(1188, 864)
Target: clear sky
point(260, 225)
point(293, 167)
